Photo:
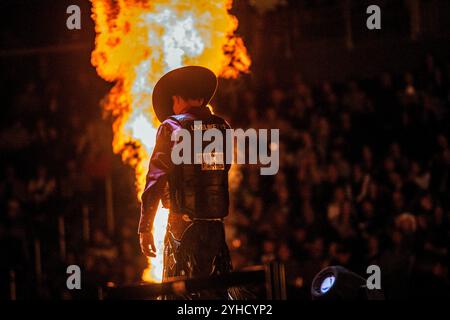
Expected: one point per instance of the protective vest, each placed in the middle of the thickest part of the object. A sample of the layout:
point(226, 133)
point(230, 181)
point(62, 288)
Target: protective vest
point(200, 189)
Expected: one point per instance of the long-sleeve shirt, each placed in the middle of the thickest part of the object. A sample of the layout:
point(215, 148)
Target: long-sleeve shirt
point(160, 167)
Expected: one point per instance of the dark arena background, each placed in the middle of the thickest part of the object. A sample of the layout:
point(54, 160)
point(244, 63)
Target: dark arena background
point(364, 176)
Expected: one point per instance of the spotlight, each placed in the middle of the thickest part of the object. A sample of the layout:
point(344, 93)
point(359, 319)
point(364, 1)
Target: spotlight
point(327, 283)
point(338, 283)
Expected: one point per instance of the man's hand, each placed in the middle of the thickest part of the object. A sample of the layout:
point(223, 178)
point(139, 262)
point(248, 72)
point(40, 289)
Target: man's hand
point(147, 242)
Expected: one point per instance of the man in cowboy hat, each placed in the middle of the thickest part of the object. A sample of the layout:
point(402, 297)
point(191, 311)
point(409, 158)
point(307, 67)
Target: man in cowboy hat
point(196, 194)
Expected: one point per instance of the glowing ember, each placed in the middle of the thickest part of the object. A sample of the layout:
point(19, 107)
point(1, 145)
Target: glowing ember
point(137, 42)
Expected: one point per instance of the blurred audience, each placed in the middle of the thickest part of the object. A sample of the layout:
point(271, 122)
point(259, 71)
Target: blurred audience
point(364, 179)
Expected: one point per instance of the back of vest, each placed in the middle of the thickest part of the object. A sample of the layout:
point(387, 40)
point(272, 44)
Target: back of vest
point(200, 189)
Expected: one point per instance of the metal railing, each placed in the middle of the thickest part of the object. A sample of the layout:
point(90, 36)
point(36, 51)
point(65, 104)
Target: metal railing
point(271, 276)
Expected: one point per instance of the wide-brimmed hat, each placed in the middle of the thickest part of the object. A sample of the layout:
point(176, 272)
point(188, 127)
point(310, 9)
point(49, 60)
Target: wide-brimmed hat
point(190, 81)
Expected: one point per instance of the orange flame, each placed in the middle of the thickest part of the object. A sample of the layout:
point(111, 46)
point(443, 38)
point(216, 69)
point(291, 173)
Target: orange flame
point(136, 42)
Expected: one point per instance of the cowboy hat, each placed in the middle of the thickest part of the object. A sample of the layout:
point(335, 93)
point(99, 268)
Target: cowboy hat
point(188, 82)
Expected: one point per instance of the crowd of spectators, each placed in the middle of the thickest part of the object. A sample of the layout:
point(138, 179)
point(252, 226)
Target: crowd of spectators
point(56, 161)
point(364, 179)
point(364, 174)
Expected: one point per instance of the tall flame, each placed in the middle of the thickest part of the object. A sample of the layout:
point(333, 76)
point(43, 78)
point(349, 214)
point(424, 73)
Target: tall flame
point(138, 41)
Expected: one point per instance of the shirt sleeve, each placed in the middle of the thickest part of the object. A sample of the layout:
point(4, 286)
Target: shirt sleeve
point(159, 167)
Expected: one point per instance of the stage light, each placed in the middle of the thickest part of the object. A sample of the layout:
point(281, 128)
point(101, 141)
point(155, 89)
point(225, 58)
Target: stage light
point(338, 283)
point(327, 283)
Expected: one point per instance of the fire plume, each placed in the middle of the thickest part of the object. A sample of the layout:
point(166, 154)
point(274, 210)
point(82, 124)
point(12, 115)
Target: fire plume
point(138, 41)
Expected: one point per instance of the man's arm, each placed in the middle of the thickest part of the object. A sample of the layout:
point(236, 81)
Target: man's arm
point(159, 167)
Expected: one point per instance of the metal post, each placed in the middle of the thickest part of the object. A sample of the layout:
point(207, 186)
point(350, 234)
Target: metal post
point(86, 224)
point(37, 262)
point(347, 8)
point(12, 285)
point(275, 281)
point(268, 282)
point(62, 238)
point(414, 18)
point(109, 204)
point(100, 293)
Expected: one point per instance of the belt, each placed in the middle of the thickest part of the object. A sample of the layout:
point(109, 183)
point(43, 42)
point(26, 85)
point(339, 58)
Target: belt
point(185, 218)
point(208, 219)
point(178, 223)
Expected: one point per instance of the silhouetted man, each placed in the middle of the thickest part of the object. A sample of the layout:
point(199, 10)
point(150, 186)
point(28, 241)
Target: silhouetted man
point(196, 193)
